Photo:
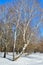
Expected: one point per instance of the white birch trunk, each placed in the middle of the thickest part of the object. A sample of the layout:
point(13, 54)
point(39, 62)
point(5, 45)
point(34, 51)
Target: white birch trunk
point(14, 46)
point(24, 35)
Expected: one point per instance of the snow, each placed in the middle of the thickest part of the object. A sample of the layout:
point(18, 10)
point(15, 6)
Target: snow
point(32, 59)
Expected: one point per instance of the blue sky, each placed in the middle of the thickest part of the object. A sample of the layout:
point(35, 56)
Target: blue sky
point(10, 1)
point(5, 1)
point(41, 3)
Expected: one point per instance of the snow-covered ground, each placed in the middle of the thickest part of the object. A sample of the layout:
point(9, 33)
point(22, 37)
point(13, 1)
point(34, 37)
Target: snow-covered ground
point(32, 59)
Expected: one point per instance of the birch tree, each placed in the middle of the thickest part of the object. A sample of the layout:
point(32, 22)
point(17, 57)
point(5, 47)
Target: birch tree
point(32, 14)
point(20, 17)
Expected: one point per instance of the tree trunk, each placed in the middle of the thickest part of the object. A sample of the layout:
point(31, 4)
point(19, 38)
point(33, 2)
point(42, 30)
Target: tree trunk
point(5, 52)
point(14, 46)
point(24, 35)
point(22, 50)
